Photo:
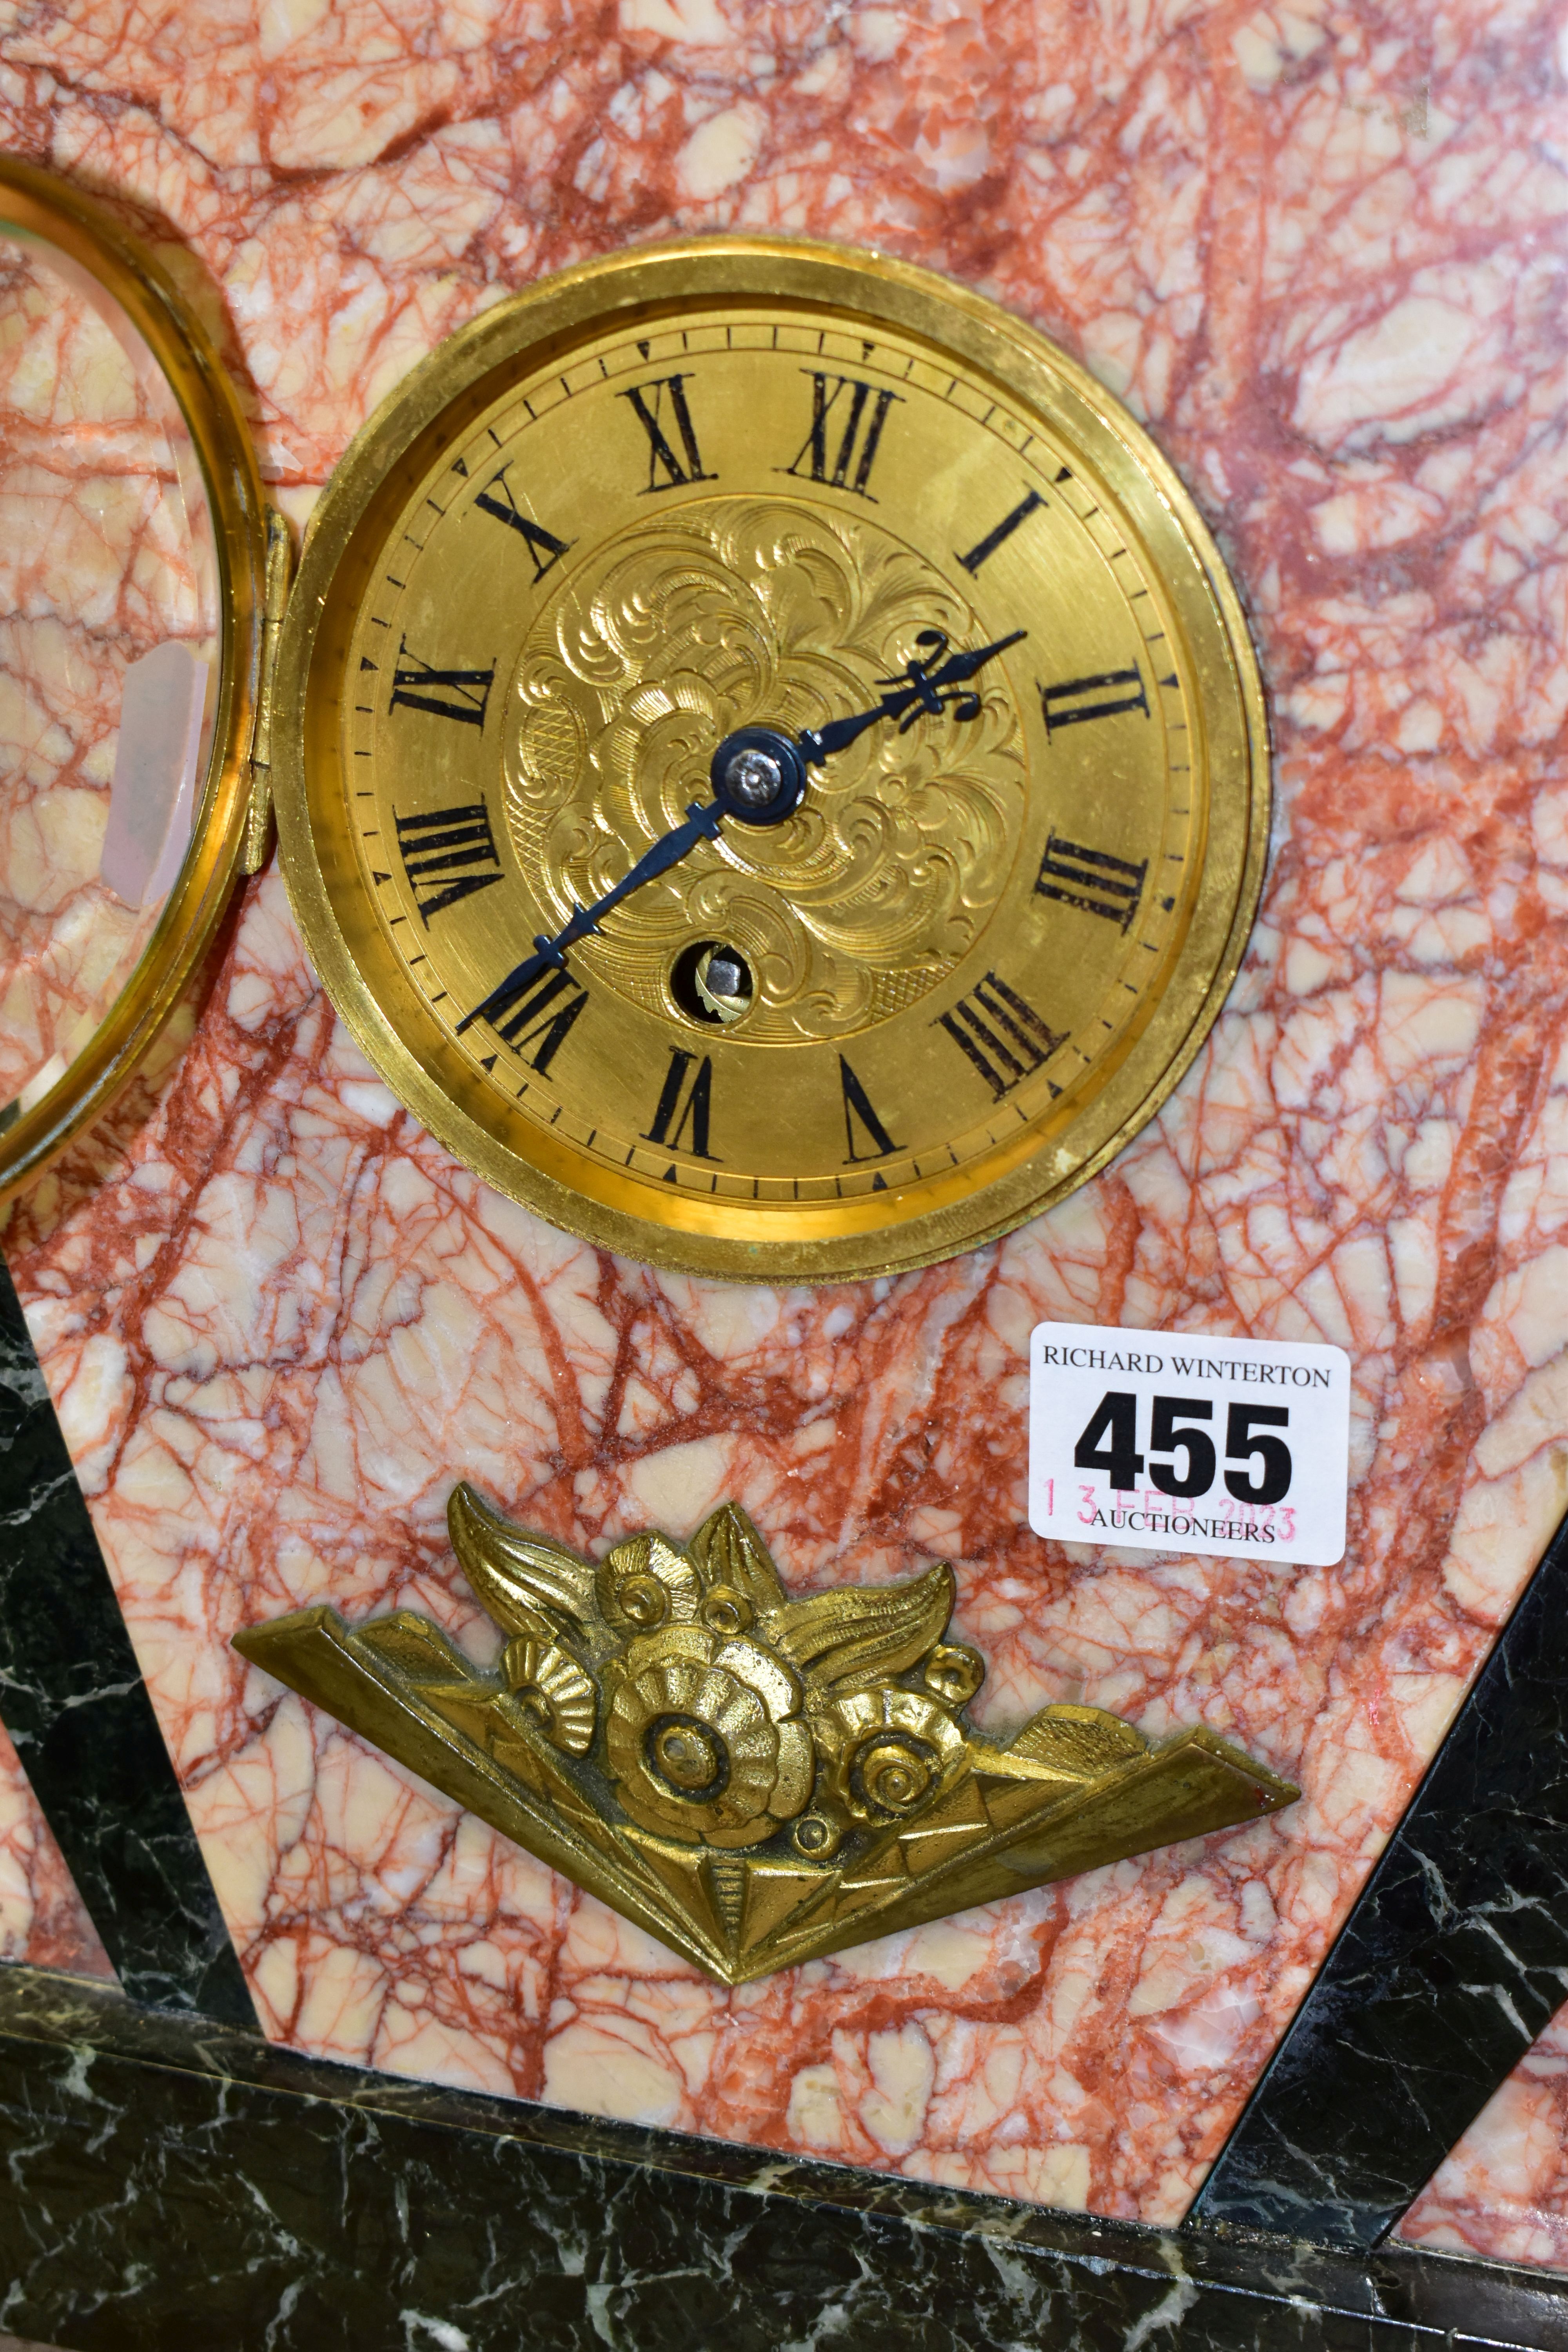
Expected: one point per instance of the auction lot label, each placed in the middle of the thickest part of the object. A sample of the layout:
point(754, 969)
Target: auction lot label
point(1156, 1441)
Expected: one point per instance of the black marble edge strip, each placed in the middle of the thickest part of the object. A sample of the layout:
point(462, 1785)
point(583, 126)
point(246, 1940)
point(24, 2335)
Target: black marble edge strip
point(1406, 2288)
point(1452, 1960)
point(77, 1711)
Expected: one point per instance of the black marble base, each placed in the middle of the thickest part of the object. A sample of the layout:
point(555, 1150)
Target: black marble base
point(167, 2186)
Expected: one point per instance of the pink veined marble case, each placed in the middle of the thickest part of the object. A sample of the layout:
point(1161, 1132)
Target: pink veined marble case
point(1320, 254)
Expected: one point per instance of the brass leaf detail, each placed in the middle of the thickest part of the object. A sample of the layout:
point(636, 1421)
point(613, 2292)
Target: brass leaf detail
point(514, 1574)
point(728, 1550)
point(867, 1630)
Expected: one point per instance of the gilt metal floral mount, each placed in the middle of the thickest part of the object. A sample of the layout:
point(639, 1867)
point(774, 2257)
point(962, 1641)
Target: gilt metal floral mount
point(755, 1780)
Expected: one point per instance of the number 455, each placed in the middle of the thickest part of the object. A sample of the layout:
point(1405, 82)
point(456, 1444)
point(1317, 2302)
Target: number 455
point(1110, 1443)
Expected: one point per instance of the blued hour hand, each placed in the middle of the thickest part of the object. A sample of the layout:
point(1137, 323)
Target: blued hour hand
point(701, 823)
point(921, 688)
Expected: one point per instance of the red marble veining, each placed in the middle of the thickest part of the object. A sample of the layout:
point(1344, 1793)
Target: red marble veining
point(1321, 253)
point(42, 1919)
point(1503, 2192)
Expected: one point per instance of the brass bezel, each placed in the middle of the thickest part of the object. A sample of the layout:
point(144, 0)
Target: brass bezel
point(40, 205)
point(863, 1237)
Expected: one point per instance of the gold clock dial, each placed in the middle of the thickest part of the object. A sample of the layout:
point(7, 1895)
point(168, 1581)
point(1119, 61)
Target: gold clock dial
point(868, 661)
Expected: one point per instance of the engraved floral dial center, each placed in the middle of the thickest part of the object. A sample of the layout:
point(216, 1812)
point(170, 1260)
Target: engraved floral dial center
point(851, 892)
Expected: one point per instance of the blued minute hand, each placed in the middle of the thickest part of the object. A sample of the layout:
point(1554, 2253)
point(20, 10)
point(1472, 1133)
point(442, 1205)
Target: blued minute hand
point(703, 820)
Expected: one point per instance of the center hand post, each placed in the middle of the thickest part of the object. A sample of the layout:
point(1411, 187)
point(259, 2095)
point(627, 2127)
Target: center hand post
point(759, 776)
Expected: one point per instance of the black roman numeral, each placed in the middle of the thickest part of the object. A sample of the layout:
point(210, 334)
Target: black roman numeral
point(1103, 696)
point(542, 545)
point(459, 694)
point(681, 1106)
point(534, 1024)
point(858, 1107)
point(851, 439)
point(438, 846)
point(1001, 1035)
point(1093, 879)
point(662, 459)
point(993, 539)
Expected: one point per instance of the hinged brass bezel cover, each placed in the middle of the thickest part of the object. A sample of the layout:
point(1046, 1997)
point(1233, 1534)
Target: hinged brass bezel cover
point(41, 207)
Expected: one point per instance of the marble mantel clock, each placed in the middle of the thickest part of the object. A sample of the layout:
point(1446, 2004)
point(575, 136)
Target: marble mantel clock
point(769, 765)
point(538, 1445)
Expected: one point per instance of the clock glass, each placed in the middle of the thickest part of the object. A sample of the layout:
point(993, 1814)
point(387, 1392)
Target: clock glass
point(132, 552)
point(777, 778)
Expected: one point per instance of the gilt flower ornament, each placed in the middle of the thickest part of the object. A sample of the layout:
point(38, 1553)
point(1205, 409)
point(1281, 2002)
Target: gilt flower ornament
point(754, 1778)
point(704, 1737)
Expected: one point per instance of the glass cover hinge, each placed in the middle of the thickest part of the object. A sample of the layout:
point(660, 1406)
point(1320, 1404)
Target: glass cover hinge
point(259, 820)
